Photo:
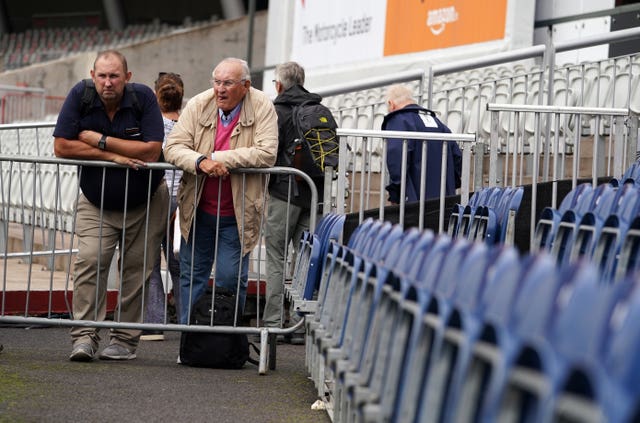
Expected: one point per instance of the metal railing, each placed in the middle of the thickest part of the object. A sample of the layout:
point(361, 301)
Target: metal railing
point(36, 295)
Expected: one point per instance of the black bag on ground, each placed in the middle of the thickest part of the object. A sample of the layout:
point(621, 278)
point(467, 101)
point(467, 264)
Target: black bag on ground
point(217, 350)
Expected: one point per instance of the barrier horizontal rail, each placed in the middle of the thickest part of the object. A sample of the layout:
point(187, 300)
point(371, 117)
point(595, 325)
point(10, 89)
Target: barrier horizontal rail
point(31, 253)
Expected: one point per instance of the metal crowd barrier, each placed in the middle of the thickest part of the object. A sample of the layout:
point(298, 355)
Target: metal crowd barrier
point(539, 129)
point(362, 174)
point(38, 247)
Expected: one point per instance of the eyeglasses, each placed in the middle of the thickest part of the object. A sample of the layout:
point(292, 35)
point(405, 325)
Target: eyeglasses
point(228, 83)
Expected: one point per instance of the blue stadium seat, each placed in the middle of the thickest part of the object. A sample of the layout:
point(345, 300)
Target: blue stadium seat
point(354, 371)
point(549, 220)
point(305, 257)
point(364, 383)
point(579, 337)
point(629, 258)
point(336, 258)
point(466, 221)
point(439, 393)
point(411, 367)
point(620, 359)
point(325, 233)
point(566, 231)
point(527, 390)
point(330, 322)
point(614, 228)
point(364, 300)
point(507, 212)
point(591, 223)
point(331, 335)
point(408, 306)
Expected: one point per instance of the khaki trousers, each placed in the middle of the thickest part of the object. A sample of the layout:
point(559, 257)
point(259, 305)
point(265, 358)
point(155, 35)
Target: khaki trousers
point(138, 238)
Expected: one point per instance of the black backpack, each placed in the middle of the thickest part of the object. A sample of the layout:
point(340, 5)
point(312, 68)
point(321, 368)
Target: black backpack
point(217, 350)
point(316, 145)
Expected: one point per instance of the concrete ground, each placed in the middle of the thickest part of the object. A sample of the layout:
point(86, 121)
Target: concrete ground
point(39, 384)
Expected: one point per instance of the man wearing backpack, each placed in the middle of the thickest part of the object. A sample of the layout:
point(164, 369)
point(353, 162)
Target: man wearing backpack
point(286, 222)
point(113, 120)
point(406, 115)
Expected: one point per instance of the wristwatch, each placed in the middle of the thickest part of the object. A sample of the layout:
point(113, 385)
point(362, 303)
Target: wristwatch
point(102, 144)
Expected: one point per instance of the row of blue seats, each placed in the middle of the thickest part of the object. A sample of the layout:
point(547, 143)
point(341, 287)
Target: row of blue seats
point(416, 327)
point(488, 215)
point(599, 223)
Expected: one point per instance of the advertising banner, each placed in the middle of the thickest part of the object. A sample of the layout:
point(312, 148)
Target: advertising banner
point(417, 25)
point(333, 32)
point(337, 31)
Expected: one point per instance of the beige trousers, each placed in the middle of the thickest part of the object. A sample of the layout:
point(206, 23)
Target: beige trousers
point(97, 241)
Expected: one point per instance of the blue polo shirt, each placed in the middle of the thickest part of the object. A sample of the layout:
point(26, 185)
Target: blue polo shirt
point(128, 123)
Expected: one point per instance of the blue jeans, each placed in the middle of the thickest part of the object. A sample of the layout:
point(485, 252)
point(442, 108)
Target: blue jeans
point(203, 247)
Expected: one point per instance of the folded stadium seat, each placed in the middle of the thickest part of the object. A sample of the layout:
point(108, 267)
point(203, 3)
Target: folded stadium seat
point(579, 335)
point(565, 235)
point(330, 333)
point(434, 395)
point(531, 376)
point(440, 392)
point(512, 326)
point(628, 176)
point(620, 360)
point(393, 293)
point(482, 352)
point(468, 214)
point(455, 217)
point(629, 259)
point(303, 259)
point(334, 287)
point(478, 227)
point(442, 282)
point(339, 357)
point(609, 242)
point(590, 224)
point(329, 344)
point(507, 215)
point(354, 374)
point(495, 218)
point(306, 273)
point(407, 307)
point(333, 230)
point(547, 224)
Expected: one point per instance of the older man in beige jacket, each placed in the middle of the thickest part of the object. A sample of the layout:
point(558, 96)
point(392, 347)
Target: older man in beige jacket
point(227, 127)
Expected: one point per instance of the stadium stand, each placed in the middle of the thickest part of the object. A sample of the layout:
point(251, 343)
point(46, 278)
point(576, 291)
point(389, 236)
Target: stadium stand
point(409, 325)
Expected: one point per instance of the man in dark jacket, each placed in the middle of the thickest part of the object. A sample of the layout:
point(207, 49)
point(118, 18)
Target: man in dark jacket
point(286, 222)
point(406, 115)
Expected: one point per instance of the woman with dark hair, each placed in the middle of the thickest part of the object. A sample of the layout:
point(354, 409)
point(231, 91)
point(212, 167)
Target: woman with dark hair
point(169, 90)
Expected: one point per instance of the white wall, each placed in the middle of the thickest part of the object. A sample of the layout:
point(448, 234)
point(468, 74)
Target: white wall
point(550, 9)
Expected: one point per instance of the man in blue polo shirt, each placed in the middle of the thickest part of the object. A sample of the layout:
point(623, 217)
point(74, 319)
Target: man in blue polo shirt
point(119, 122)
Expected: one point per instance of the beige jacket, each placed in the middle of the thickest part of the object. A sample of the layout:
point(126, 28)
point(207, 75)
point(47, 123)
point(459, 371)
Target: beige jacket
point(254, 143)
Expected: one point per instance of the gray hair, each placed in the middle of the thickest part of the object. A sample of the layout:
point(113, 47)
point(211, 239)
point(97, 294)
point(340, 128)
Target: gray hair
point(400, 94)
point(289, 74)
point(244, 67)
